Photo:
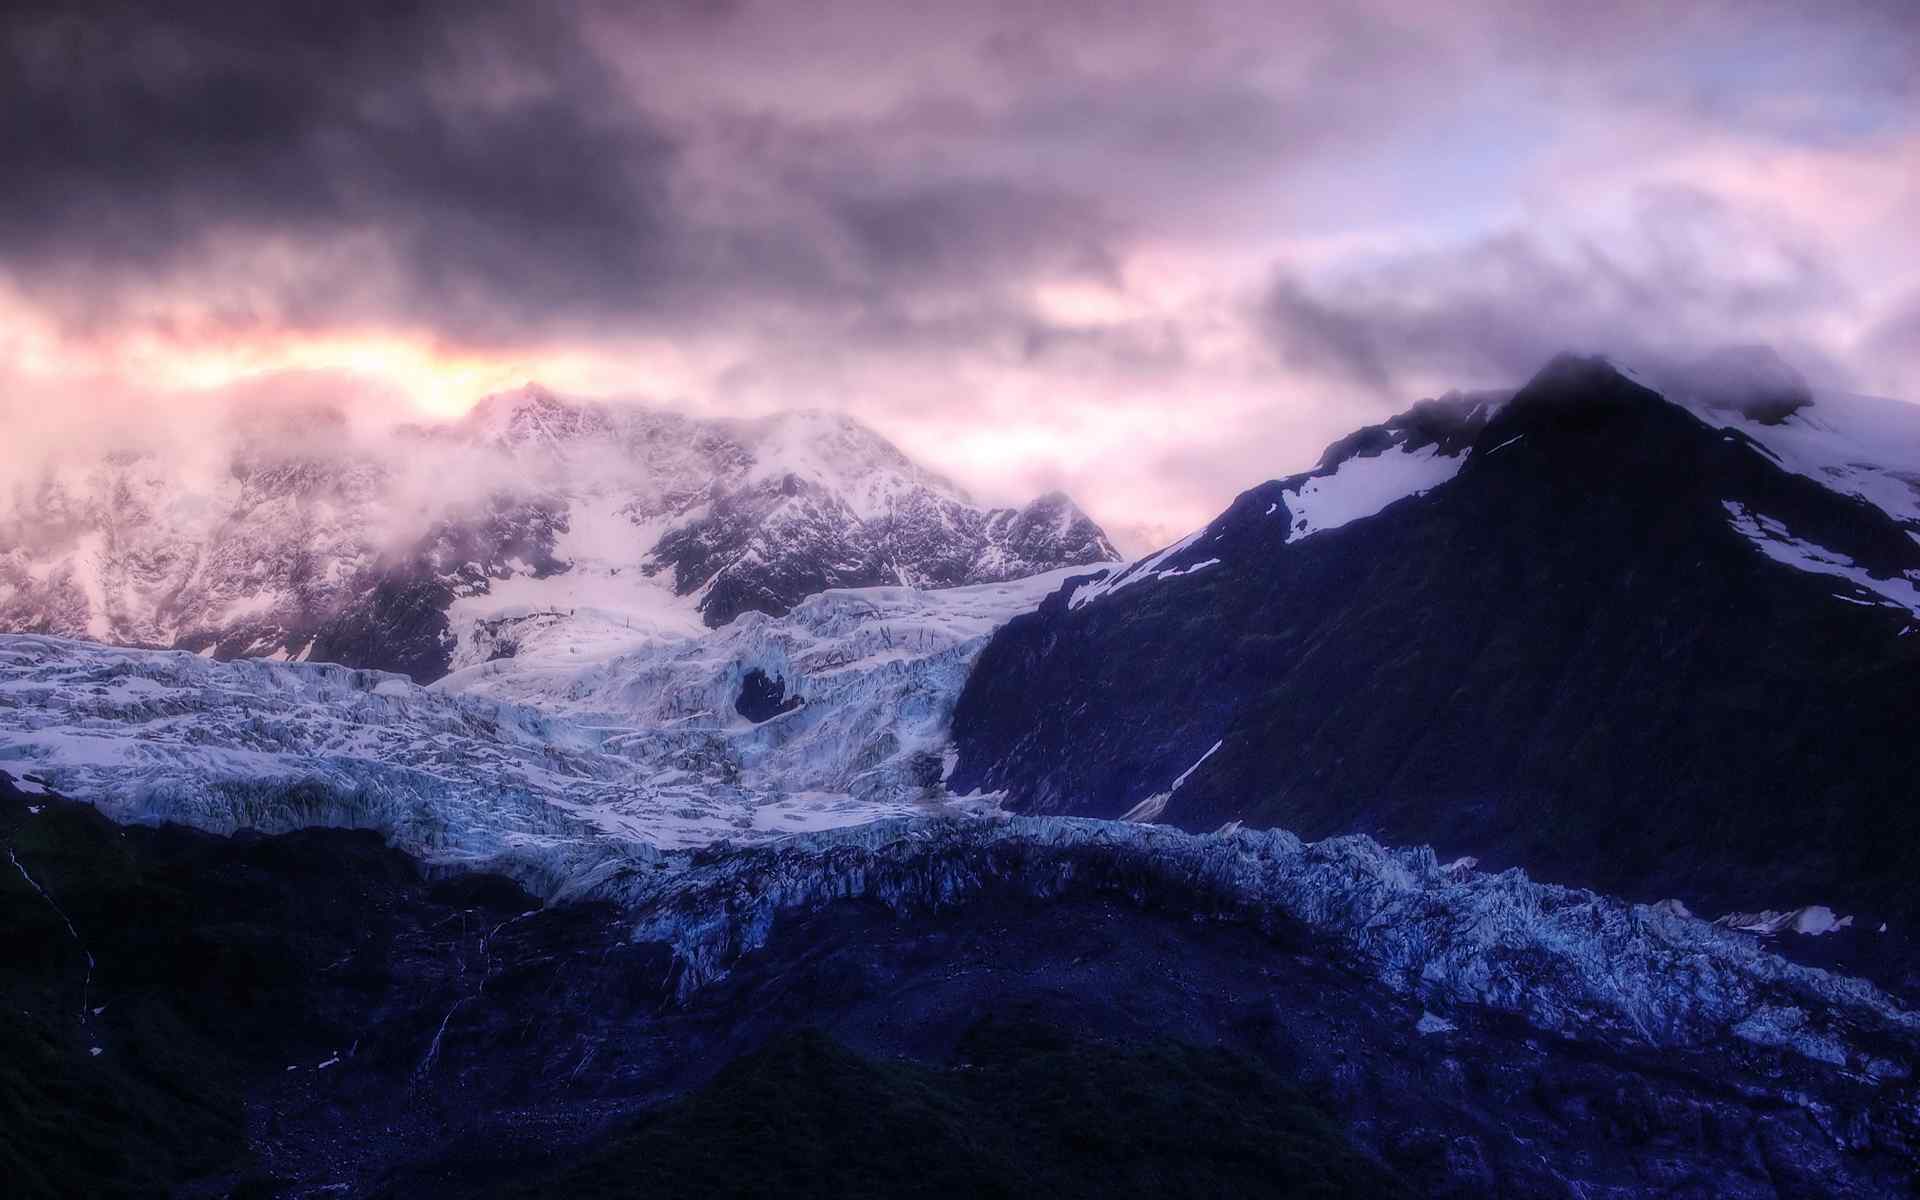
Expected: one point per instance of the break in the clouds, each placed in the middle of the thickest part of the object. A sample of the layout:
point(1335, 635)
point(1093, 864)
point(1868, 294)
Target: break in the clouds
point(1149, 252)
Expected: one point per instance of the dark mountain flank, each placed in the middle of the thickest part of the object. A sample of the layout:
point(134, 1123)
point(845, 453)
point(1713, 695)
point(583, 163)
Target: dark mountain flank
point(1621, 646)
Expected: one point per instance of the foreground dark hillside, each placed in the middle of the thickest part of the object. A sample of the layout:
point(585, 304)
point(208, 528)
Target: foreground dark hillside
point(281, 1014)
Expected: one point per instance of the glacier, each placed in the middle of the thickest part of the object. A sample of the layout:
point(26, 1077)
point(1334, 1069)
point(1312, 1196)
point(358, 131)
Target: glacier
point(551, 770)
point(1566, 960)
point(633, 780)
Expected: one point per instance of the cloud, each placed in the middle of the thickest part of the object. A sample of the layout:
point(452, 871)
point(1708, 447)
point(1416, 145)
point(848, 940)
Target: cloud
point(1148, 251)
point(425, 163)
point(1685, 273)
point(476, 171)
point(1894, 345)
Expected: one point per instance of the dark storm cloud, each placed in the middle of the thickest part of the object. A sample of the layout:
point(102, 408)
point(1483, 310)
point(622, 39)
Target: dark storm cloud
point(1493, 310)
point(475, 168)
point(481, 149)
point(1150, 250)
point(484, 170)
point(1897, 339)
point(971, 228)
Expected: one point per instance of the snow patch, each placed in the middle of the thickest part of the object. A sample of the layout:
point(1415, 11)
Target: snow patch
point(1150, 808)
point(1188, 773)
point(1777, 542)
point(1192, 569)
point(1363, 486)
point(1124, 577)
point(1428, 1025)
point(1862, 446)
point(1813, 920)
point(1147, 810)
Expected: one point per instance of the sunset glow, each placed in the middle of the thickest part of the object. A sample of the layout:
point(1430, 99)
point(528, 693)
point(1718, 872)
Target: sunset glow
point(1114, 249)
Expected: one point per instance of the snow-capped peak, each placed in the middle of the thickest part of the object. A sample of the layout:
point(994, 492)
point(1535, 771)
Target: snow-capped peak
point(424, 550)
point(836, 452)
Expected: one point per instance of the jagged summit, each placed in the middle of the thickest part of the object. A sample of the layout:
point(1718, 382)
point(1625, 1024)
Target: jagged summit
point(432, 549)
point(1570, 379)
point(1449, 423)
point(531, 415)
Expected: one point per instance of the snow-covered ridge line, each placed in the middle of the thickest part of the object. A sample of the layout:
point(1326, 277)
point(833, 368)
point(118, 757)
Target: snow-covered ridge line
point(1356, 488)
point(1566, 960)
point(1358, 477)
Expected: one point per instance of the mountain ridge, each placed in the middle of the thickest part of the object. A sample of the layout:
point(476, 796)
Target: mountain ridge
point(1606, 603)
point(303, 543)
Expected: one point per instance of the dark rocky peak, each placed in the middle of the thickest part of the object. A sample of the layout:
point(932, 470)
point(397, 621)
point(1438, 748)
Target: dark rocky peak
point(1052, 525)
point(1587, 409)
point(1573, 381)
point(1449, 422)
point(1610, 603)
point(1430, 440)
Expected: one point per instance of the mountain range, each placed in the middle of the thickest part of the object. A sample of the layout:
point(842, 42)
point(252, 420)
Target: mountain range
point(300, 540)
point(1516, 802)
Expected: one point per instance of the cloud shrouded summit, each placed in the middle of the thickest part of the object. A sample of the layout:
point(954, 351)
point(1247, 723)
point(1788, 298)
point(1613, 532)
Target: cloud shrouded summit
point(1144, 252)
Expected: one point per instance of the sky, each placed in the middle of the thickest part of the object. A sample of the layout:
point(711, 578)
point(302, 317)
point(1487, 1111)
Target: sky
point(1151, 253)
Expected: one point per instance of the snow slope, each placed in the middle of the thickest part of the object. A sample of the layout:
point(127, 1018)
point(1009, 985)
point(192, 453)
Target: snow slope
point(1863, 446)
point(1359, 476)
point(1361, 486)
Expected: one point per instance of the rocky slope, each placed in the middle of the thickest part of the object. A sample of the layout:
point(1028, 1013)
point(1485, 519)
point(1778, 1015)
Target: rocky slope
point(292, 535)
point(1584, 629)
